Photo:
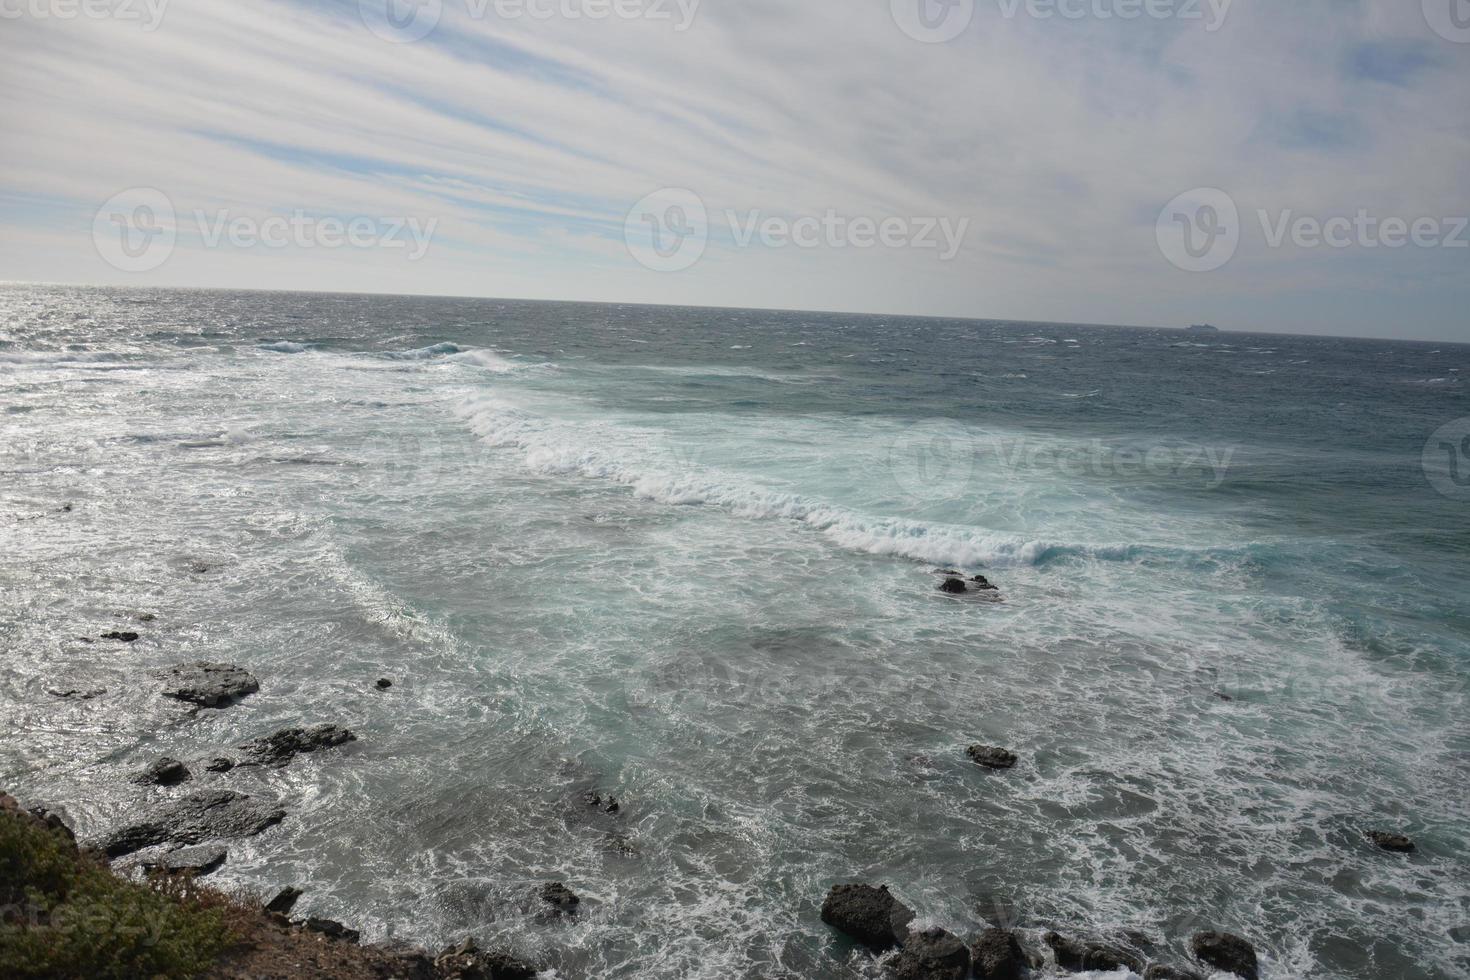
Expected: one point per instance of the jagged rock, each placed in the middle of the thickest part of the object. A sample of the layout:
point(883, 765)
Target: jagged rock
point(284, 901)
point(1224, 951)
point(206, 684)
point(954, 586)
point(332, 929)
point(1075, 955)
point(997, 955)
point(220, 764)
point(467, 961)
point(201, 860)
point(562, 899)
point(1159, 971)
point(983, 584)
point(123, 636)
point(932, 954)
point(991, 757)
point(281, 747)
point(384, 683)
point(164, 772)
point(198, 817)
point(870, 915)
point(1391, 842)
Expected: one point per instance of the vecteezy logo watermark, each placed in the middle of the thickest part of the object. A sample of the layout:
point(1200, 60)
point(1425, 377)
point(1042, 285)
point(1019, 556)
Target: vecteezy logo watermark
point(135, 230)
point(401, 21)
point(938, 21)
point(940, 459)
point(149, 13)
point(833, 230)
point(667, 231)
point(933, 21)
point(405, 21)
point(1199, 230)
point(934, 460)
point(1446, 460)
point(1450, 19)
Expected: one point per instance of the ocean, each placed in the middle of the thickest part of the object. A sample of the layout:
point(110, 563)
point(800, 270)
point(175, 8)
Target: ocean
point(689, 558)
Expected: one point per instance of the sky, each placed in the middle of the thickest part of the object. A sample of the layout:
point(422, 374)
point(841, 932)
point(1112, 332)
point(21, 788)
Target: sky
point(1298, 166)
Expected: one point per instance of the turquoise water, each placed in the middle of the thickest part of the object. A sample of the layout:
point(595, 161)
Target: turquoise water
point(688, 557)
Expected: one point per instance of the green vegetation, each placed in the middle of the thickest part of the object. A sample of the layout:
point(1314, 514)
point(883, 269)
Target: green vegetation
point(66, 915)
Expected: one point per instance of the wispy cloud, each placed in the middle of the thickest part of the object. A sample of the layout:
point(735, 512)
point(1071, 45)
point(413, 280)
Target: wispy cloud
point(528, 139)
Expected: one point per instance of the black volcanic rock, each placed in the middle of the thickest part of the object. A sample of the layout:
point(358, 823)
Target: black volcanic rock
point(991, 757)
point(1224, 951)
point(200, 859)
point(954, 586)
point(164, 772)
point(1391, 842)
point(208, 685)
point(932, 954)
point(870, 915)
point(1159, 971)
point(281, 747)
point(283, 901)
point(192, 819)
point(983, 584)
point(123, 636)
point(1077, 955)
point(562, 899)
point(997, 955)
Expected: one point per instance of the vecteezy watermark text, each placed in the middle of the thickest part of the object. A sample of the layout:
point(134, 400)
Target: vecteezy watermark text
point(1200, 230)
point(149, 13)
point(405, 21)
point(941, 459)
point(938, 21)
point(137, 230)
point(668, 230)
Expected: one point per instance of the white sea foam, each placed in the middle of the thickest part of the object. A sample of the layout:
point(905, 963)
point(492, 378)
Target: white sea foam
point(636, 460)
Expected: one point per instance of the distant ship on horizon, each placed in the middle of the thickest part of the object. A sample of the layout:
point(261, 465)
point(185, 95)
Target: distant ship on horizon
point(1204, 328)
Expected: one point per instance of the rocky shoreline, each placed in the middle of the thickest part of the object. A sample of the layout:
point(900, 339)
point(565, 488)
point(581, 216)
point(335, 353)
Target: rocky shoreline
point(187, 833)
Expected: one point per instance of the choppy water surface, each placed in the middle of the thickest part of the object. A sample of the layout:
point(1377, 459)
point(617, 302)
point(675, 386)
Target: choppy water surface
point(687, 557)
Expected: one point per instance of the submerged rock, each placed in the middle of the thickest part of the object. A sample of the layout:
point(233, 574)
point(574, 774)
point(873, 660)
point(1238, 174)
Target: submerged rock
point(1391, 842)
point(195, 818)
point(164, 772)
point(75, 694)
point(1076, 955)
point(384, 683)
point(870, 915)
point(281, 747)
point(123, 636)
point(983, 584)
point(954, 586)
point(1224, 951)
point(220, 764)
point(932, 954)
point(201, 860)
point(206, 684)
point(991, 757)
point(562, 899)
point(997, 955)
point(606, 804)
